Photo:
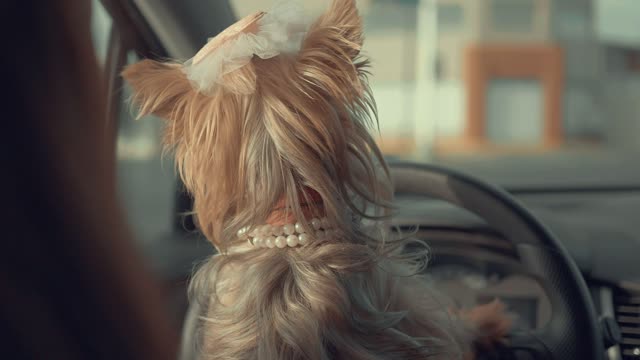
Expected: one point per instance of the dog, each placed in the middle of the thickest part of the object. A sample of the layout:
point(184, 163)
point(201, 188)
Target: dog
point(269, 123)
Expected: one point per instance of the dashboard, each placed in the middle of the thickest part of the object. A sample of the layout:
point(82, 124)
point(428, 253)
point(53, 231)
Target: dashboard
point(470, 280)
point(473, 264)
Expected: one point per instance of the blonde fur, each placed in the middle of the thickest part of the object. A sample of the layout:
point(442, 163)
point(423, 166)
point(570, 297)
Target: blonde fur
point(272, 128)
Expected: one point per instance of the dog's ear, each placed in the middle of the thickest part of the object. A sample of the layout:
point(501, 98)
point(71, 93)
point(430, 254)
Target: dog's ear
point(329, 61)
point(158, 87)
point(343, 24)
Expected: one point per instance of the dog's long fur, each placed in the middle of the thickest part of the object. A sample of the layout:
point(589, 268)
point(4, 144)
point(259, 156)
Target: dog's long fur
point(270, 129)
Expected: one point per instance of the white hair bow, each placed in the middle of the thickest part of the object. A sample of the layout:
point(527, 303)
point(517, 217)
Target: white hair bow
point(263, 34)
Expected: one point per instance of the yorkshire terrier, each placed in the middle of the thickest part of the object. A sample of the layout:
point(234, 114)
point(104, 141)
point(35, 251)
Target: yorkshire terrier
point(269, 124)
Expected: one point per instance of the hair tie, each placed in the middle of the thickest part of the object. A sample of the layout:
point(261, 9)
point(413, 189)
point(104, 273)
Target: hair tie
point(262, 34)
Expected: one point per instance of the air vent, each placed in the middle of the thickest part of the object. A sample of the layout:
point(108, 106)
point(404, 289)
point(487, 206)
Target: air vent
point(627, 307)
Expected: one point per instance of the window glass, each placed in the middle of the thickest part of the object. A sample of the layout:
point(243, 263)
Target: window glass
point(101, 24)
point(473, 82)
point(513, 108)
point(512, 15)
point(450, 17)
point(146, 178)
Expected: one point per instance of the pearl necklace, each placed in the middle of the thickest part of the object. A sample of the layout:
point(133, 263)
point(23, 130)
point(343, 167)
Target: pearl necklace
point(291, 235)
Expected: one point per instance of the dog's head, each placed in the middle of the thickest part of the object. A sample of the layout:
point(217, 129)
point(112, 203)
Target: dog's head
point(273, 127)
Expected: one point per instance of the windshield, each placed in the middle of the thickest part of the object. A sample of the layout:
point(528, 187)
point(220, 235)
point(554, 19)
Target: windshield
point(506, 88)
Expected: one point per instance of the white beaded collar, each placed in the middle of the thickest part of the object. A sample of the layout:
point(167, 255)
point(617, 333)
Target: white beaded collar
point(288, 235)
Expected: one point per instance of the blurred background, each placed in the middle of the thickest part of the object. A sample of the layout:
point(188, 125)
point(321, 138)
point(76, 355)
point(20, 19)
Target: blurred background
point(523, 93)
point(458, 80)
point(456, 77)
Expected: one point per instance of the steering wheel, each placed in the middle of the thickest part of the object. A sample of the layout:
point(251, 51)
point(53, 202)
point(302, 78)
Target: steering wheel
point(573, 331)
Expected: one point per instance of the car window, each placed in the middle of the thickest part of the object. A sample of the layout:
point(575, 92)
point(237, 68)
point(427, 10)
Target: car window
point(390, 30)
point(471, 83)
point(101, 23)
point(146, 178)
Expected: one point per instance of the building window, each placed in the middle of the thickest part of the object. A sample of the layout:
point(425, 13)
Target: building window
point(512, 16)
point(450, 17)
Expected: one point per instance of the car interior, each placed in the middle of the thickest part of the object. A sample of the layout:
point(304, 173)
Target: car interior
point(511, 130)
